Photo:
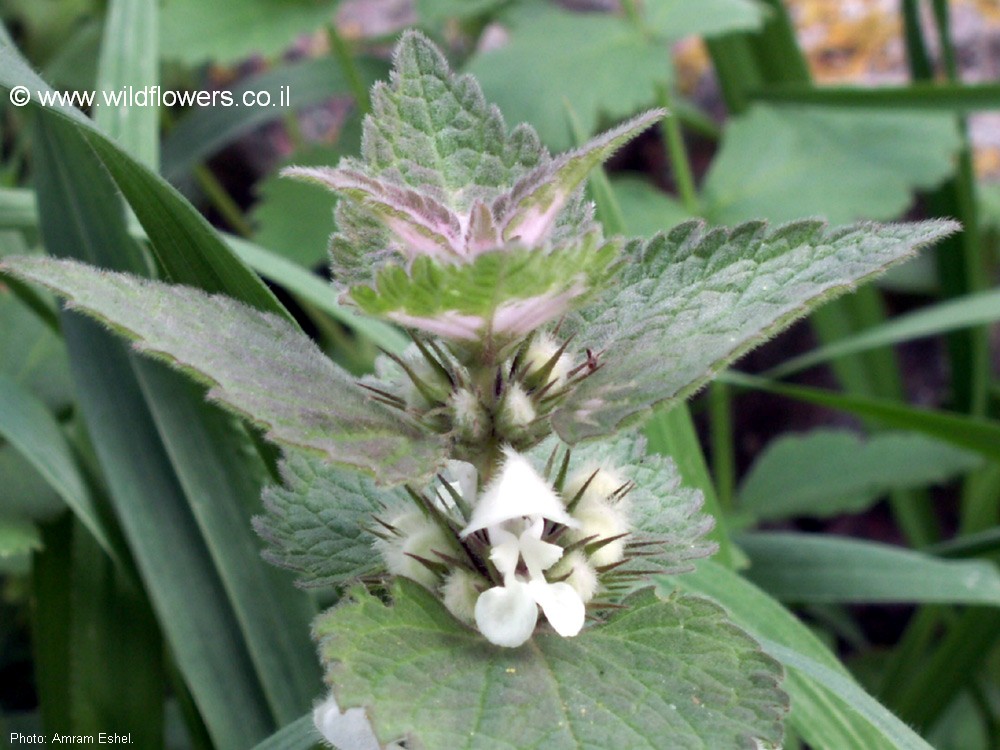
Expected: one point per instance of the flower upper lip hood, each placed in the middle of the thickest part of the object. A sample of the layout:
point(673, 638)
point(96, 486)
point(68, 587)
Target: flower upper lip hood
point(517, 492)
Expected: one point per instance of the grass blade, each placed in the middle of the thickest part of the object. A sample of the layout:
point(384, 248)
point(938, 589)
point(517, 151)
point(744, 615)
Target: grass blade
point(808, 568)
point(190, 600)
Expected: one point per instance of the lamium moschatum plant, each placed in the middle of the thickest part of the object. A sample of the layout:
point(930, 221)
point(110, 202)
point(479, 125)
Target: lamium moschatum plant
point(483, 502)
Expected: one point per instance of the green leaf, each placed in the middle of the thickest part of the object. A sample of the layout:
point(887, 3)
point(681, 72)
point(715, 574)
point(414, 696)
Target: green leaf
point(317, 521)
point(645, 208)
point(171, 556)
point(827, 472)
point(693, 300)
point(679, 18)
point(942, 317)
point(433, 131)
point(504, 292)
point(976, 434)
point(18, 209)
point(26, 493)
point(258, 365)
point(599, 63)
point(293, 219)
point(129, 59)
point(18, 536)
point(34, 432)
point(808, 568)
point(187, 248)
point(782, 164)
point(196, 31)
point(420, 674)
point(829, 709)
point(32, 354)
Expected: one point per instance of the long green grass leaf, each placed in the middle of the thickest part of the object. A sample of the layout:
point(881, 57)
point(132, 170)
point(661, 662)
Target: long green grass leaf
point(943, 317)
point(976, 434)
point(927, 96)
point(824, 714)
point(129, 60)
point(173, 562)
point(187, 248)
point(807, 568)
point(30, 427)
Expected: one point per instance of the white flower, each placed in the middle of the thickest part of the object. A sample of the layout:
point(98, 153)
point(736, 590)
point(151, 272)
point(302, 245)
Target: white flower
point(507, 614)
point(517, 492)
point(349, 730)
point(513, 510)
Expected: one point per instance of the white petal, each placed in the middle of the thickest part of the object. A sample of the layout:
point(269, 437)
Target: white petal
point(538, 555)
point(517, 491)
point(505, 552)
point(506, 615)
point(350, 730)
point(561, 604)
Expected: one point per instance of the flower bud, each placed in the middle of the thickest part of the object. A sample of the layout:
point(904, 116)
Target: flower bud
point(579, 574)
point(539, 357)
point(460, 591)
point(468, 415)
point(417, 537)
point(517, 410)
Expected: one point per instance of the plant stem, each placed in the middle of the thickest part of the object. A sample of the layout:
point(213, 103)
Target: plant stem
point(222, 201)
point(683, 175)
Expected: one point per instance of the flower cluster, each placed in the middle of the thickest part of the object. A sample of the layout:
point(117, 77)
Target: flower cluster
point(521, 545)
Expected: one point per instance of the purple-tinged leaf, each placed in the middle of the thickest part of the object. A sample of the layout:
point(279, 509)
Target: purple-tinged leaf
point(529, 210)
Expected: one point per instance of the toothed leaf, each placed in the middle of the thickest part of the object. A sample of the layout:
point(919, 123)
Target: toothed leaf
point(506, 292)
point(663, 672)
point(691, 301)
point(432, 130)
point(257, 364)
point(422, 225)
point(318, 521)
point(529, 210)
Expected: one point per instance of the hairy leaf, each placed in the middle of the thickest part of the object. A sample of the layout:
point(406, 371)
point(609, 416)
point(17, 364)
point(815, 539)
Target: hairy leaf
point(660, 673)
point(317, 522)
point(258, 365)
point(502, 292)
point(441, 177)
point(432, 130)
point(693, 300)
